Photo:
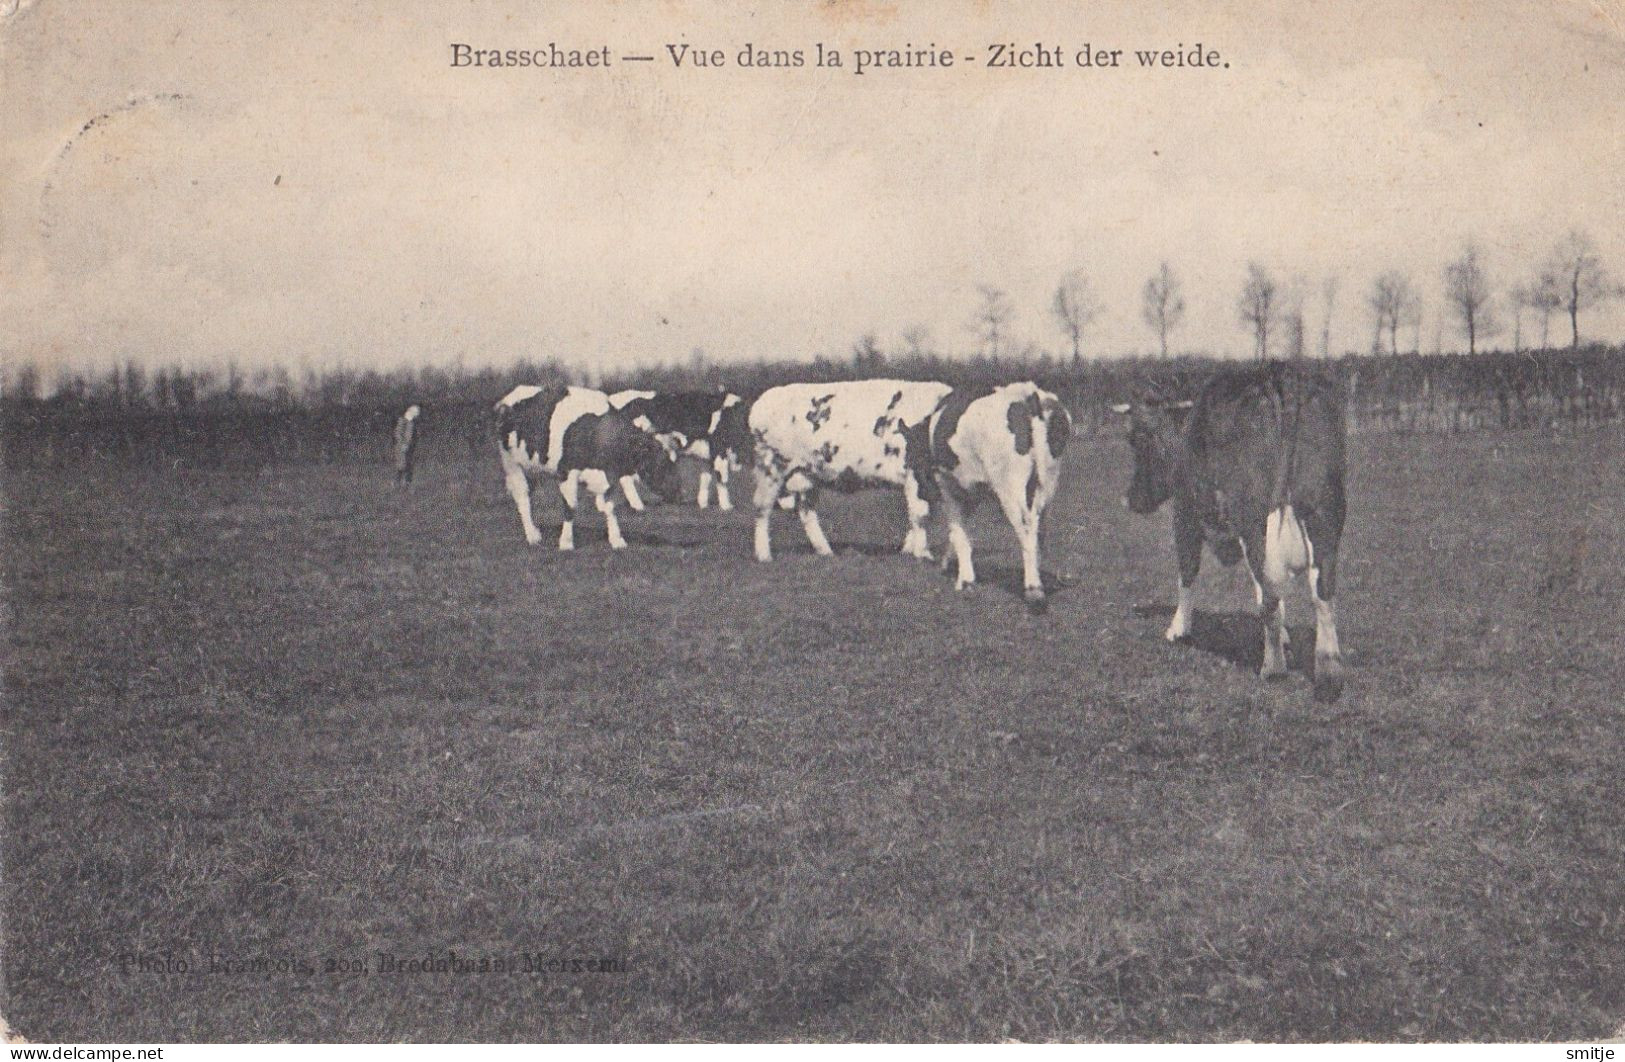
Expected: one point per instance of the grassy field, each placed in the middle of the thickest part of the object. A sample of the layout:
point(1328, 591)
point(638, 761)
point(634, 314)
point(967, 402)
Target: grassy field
point(297, 718)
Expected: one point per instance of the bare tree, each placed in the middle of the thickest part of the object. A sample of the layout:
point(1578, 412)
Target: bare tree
point(866, 355)
point(1579, 279)
point(135, 383)
point(1075, 307)
point(916, 341)
point(1393, 303)
point(1328, 297)
point(1257, 306)
point(1412, 312)
point(1519, 297)
point(1545, 299)
point(25, 385)
point(1293, 330)
point(1467, 291)
point(1163, 304)
point(992, 318)
point(1541, 297)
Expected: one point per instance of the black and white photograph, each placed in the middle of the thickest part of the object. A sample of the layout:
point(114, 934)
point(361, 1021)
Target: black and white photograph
point(812, 521)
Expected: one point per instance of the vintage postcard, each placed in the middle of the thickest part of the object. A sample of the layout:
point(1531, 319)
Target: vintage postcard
point(821, 520)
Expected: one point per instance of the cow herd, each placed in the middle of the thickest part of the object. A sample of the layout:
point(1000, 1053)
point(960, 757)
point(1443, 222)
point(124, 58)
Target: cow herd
point(1253, 465)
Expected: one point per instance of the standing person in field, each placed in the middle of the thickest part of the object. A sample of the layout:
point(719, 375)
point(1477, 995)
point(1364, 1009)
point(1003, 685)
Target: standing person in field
point(406, 443)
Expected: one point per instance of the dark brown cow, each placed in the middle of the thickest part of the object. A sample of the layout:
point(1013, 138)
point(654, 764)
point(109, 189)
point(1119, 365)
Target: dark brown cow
point(1255, 469)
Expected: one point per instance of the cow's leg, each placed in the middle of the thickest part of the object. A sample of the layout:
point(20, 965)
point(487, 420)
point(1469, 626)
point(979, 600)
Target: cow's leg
point(1271, 609)
point(519, 490)
point(723, 469)
point(807, 509)
point(769, 485)
point(703, 501)
point(1024, 521)
point(600, 485)
point(570, 491)
point(1323, 588)
point(1188, 554)
point(967, 502)
point(915, 543)
point(959, 547)
point(1032, 542)
point(629, 487)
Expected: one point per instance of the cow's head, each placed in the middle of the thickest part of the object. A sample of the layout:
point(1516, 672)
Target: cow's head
point(657, 466)
point(1154, 429)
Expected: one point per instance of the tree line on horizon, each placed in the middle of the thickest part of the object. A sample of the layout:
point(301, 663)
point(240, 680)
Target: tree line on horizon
point(348, 417)
point(217, 415)
point(1571, 280)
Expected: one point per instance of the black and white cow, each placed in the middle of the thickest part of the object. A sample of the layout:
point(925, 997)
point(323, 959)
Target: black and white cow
point(1255, 468)
point(573, 435)
point(845, 435)
point(1005, 441)
point(708, 426)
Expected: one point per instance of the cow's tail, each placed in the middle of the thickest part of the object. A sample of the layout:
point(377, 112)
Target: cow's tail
point(1052, 430)
point(919, 443)
point(1287, 548)
point(1057, 424)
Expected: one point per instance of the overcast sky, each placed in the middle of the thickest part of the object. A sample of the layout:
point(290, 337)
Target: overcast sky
point(313, 183)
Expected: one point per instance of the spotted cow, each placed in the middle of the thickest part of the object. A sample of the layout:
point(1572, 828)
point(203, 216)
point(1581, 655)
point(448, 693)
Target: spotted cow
point(708, 426)
point(573, 435)
point(1005, 441)
point(843, 435)
point(1255, 468)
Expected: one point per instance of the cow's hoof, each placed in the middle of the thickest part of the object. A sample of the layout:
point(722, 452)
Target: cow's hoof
point(536, 541)
point(1273, 674)
point(1176, 635)
point(1328, 688)
point(617, 545)
point(1328, 680)
point(964, 584)
point(1037, 603)
point(726, 507)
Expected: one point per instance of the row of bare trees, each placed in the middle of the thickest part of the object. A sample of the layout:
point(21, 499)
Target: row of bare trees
point(1572, 279)
point(1075, 306)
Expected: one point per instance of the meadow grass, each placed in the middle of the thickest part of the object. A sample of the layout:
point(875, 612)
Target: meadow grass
point(297, 716)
